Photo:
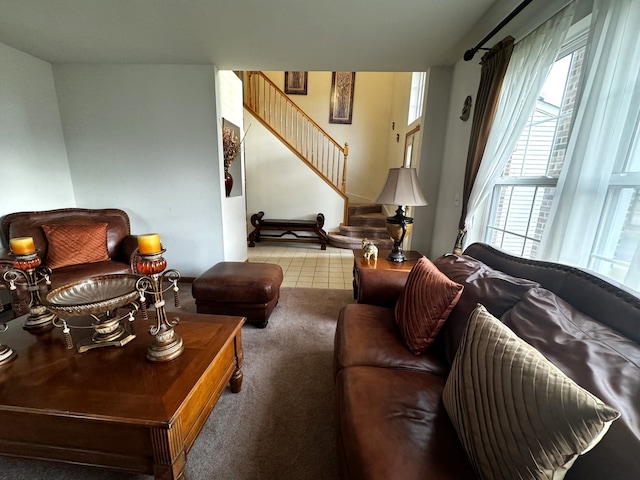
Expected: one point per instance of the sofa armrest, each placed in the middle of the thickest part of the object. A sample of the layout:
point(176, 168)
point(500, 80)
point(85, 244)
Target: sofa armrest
point(128, 247)
point(381, 287)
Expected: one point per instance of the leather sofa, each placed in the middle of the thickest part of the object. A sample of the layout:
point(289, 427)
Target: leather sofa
point(392, 423)
point(120, 245)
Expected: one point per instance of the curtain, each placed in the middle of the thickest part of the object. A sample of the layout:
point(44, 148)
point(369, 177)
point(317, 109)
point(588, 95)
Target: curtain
point(494, 65)
point(528, 68)
point(606, 123)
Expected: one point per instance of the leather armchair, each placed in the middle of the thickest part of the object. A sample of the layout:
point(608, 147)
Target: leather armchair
point(121, 245)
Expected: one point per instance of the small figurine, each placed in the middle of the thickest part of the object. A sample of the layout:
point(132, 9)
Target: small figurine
point(369, 249)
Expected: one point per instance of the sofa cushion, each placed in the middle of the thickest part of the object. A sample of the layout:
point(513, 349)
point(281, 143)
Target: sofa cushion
point(392, 424)
point(497, 291)
point(368, 335)
point(71, 244)
point(597, 358)
point(517, 414)
point(424, 305)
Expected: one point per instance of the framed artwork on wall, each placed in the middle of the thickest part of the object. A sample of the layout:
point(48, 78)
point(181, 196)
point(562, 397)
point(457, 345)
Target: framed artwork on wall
point(295, 83)
point(341, 107)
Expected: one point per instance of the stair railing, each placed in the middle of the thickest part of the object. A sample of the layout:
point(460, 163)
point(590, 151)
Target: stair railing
point(304, 137)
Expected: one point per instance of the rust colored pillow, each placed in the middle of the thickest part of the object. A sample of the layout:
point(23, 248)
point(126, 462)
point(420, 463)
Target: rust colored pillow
point(424, 305)
point(71, 244)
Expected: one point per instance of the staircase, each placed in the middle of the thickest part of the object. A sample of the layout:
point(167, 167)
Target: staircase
point(365, 220)
point(295, 129)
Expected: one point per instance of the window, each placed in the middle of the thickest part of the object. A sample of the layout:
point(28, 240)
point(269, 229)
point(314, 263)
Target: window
point(616, 251)
point(523, 196)
point(416, 99)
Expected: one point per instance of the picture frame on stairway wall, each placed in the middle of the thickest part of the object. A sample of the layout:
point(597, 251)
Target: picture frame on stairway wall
point(341, 104)
point(295, 83)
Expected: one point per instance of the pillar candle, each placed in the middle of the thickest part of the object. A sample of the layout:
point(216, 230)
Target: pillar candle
point(149, 244)
point(22, 245)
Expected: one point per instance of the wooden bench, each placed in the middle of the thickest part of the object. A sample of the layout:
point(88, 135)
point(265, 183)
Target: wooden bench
point(288, 227)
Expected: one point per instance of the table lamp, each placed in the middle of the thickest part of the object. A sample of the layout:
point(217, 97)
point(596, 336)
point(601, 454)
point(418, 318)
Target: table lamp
point(402, 189)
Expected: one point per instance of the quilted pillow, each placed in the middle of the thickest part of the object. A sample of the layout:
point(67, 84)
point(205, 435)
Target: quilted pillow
point(424, 305)
point(71, 244)
point(517, 415)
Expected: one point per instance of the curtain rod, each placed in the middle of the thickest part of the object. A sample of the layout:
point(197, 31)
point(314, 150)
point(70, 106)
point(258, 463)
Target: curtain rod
point(469, 54)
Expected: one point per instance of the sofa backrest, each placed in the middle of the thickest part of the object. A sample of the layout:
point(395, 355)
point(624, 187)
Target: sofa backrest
point(603, 300)
point(29, 224)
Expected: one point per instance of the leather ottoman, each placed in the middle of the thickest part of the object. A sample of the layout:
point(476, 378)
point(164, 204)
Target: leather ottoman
point(244, 289)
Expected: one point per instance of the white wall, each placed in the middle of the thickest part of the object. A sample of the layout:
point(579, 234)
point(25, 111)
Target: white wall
point(466, 76)
point(33, 157)
point(234, 225)
point(144, 138)
point(281, 185)
point(432, 155)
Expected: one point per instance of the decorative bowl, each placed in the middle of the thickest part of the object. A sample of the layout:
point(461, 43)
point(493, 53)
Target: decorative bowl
point(93, 296)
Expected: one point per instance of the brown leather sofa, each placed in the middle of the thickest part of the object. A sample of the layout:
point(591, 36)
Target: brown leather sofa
point(120, 245)
point(392, 423)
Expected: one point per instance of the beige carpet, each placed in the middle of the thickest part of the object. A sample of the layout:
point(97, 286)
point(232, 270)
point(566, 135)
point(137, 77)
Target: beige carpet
point(280, 426)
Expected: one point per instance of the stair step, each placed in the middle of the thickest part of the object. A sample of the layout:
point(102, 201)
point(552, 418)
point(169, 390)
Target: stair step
point(360, 208)
point(354, 243)
point(368, 220)
point(364, 232)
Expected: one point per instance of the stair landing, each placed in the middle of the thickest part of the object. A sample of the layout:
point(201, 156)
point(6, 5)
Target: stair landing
point(364, 221)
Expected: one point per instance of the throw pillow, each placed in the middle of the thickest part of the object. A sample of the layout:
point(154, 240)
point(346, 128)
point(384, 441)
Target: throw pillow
point(517, 415)
point(71, 244)
point(424, 305)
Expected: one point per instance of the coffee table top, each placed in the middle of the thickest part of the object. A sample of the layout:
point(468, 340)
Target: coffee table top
point(114, 384)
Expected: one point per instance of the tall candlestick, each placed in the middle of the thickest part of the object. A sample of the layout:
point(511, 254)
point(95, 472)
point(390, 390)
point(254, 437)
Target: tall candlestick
point(22, 245)
point(149, 244)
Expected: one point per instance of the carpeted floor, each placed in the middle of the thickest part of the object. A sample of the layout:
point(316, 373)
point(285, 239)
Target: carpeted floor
point(280, 426)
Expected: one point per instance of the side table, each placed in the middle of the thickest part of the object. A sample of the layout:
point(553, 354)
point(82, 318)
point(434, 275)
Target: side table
point(365, 270)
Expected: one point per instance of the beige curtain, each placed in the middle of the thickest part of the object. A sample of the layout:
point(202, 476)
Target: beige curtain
point(494, 65)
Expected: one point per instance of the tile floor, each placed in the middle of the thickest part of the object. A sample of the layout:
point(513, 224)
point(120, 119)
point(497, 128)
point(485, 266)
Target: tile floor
point(308, 267)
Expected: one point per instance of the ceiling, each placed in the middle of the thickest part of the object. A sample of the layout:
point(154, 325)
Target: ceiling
point(360, 35)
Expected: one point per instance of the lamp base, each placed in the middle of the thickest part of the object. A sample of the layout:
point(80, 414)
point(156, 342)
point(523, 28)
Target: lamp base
point(396, 254)
point(398, 227)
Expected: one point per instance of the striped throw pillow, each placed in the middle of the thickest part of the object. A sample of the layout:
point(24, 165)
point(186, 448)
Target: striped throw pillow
point(517, 415)
point(424, 304)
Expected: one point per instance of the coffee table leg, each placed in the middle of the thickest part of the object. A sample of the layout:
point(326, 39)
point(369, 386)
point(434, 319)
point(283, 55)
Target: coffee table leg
point(236, 380)
point(170, 458)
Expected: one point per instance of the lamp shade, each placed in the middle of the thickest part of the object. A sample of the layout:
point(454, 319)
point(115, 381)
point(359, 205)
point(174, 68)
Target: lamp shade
point(402, 188)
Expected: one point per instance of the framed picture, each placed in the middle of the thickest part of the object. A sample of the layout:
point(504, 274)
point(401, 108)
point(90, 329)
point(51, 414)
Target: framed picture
point(341, 108)
point(295, 83)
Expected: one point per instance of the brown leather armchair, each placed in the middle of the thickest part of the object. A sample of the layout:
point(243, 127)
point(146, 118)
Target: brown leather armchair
point(120, 245)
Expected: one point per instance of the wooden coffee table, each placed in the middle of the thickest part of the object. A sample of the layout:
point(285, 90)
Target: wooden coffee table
point(110, 407)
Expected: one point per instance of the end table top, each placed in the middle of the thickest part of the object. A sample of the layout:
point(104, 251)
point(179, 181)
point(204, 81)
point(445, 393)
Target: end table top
point(383, 264)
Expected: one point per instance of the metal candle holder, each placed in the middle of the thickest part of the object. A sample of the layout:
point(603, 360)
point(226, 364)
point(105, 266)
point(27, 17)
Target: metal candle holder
point(167, 344)
point(27, 271)
point(6, 353)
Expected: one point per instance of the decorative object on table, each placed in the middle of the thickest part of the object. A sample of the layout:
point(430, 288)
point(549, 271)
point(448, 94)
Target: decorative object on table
point(341, 105)
point(402, 188)
point(150, 263)
point(369, 249)
point(100, 298)
point(231, 148)
point(27, 271)
point(295, 83)
point(6, 353)
point(466, 109)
